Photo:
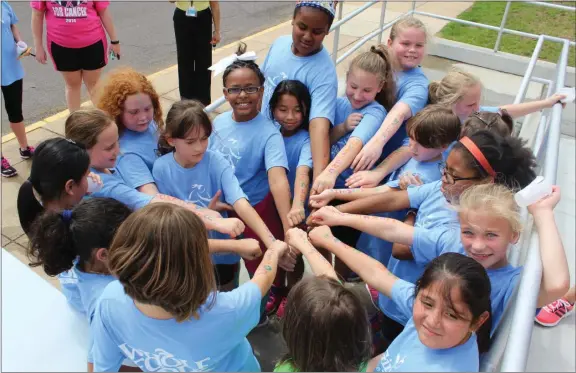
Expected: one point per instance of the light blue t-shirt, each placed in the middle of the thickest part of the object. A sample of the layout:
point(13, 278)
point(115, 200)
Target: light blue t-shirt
point(434, 218)
point(503, 281)
point(252, 148)
point(214, 342)
point(11, 67)
point(113, 186)
point(198, 185)
point(299, 154)
point(138, 153)
point(408, 354)
point(373, 115)
point(316, 72)
point(378, 248)
point(411, 89)
point(82, 291)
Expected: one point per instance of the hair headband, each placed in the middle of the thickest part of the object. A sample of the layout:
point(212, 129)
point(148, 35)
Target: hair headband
point(221, 65)
point(328, 7)
point(478, 155)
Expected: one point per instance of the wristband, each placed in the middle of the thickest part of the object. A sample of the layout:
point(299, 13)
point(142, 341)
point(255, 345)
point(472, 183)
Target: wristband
point(114, 42)
point(412, 212)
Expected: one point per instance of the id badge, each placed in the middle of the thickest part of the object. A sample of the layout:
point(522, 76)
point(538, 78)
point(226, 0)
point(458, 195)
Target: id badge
point(191, 12)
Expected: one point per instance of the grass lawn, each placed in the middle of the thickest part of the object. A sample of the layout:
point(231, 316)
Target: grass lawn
point(522, 17)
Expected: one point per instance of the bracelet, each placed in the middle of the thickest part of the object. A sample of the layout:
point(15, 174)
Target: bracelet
point(413, 212)
point(114, 42)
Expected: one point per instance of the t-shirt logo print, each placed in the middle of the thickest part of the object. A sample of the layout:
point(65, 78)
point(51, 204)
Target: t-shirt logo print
point(199, 195)
point(70, 9)
point(388, 365)
point(230, 150)
point(271, 82)
point(162, 361)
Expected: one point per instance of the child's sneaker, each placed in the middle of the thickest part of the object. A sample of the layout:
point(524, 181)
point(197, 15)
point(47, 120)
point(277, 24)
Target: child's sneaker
point(373, 295)
point(7, 169)
point(281, 308)
point(26, 153)
point(551, 314)
point(274, 300)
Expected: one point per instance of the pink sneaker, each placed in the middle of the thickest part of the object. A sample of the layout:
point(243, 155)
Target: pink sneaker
point(273, 303)
point(281, 308)
point(551, 314)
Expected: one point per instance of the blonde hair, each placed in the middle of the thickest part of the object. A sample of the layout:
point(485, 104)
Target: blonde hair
point(406, 23)
point(377, 61)
point(495, 200)
point(160, 255)
point(451, 88)
point(84, 126)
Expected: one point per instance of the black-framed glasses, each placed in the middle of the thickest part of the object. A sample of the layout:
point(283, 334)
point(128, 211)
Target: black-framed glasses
point(451, 179)
point(237, 90)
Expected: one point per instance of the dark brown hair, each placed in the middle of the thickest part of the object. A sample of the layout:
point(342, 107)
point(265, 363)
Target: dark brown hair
point(325, 327)
point(453, 269)
point(84, 126)
point(502, 124)
point(160, 255)
point(183, 117)
point(434, 127)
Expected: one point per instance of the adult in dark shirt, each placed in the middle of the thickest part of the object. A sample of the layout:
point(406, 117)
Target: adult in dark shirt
point(57, 180)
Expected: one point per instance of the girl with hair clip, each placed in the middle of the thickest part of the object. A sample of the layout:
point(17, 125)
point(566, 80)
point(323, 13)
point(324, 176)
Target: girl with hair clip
point(369, 83)
point(96, 131)
point(57, 181)
point(407, 46)
point(254, 148)
point(447, 311)
point(164, 312)
point(482, 158)
point(131, 100)
point(462, 92)
point(301, 56)
point(73, 245)
point(323, 346)
point(189, 171)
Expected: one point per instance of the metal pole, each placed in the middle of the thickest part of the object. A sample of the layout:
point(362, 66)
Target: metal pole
point(529, 71)
point(414, 5)
point(213, 106)
point(337, 34)
point(521, 332)
point(502, 24)
point(382, 16)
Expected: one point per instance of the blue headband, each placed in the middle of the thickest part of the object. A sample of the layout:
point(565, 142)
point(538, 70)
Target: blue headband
point(327, 6)
point(66, 215)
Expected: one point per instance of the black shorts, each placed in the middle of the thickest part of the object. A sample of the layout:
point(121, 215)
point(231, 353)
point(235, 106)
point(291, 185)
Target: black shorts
point(13, 101)
point(92, 57)
point(226, 273)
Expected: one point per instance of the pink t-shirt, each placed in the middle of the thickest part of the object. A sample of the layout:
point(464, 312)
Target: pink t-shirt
point(72, 24)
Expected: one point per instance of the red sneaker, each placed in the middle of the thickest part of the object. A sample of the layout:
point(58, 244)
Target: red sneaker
point(273, 302)
point(551, 314)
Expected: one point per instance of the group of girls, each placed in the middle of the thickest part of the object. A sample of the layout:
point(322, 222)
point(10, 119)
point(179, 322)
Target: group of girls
point(160, 285)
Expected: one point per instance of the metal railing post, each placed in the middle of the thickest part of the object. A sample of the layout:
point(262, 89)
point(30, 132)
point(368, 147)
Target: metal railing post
point(502, 24)
point(337, 34)
point(382, 16)
point(413, 5)
point(528, 75)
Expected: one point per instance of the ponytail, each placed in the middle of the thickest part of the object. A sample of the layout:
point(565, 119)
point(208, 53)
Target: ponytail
point(57, 239)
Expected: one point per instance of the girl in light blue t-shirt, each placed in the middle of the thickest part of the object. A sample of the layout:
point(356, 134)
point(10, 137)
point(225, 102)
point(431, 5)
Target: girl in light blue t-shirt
point(447, 314)
point(73, 245)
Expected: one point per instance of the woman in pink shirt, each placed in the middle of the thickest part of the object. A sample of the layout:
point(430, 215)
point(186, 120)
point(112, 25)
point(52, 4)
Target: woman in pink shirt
point(76, 41)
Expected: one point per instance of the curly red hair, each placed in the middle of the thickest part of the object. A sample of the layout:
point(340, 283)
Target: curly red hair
point(117, 86)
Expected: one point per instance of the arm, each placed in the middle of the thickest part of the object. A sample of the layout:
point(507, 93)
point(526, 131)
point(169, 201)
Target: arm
point(400, 251)
point(297, 239)
point(16, 33)
point(373, 149)
point(215, 7)
point(320, 143)
point(341, 162)
point(108, 24)
point(247, 248)
point(369, 269)
point(393, 200)
point(372, 178)
point(247, 213)
point(322, 199)
point(387, 229)
point(555, 272)
point(525, 108)
point(264, 275)
point(301, 186)
point(151, 189)
point(37, 34)
point(280, 189)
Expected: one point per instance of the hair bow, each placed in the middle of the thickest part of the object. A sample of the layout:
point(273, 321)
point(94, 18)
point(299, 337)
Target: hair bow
point(221, 65)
